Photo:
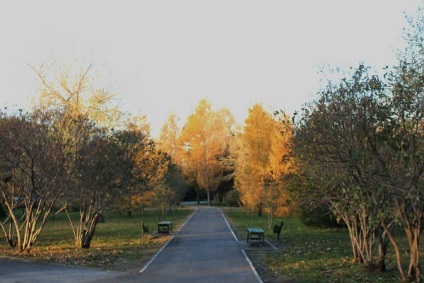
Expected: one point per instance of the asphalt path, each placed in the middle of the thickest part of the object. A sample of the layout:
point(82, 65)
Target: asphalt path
point(204, 250)
point(17, 270)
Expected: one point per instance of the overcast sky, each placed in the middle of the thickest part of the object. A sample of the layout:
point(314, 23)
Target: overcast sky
point(165, 56)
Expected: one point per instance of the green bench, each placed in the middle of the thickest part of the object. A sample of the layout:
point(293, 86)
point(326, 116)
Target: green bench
point(165, 227)
point(255, 235)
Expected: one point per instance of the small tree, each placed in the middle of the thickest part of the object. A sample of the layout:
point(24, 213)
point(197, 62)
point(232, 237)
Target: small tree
point(103, 170)
point(405, 154)
point(204, 140)
point(360, 147)
point(35, 165)
point(337, 142)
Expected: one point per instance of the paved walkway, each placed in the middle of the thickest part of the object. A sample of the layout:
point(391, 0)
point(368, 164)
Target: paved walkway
point(204, 250)
point(24, 271)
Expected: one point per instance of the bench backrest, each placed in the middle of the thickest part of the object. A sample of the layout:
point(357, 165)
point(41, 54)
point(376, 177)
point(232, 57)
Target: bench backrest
point(277, 228)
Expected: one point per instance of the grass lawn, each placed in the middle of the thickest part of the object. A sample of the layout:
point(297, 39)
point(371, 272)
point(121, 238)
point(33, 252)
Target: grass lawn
point(307, 254)
point(116, 245)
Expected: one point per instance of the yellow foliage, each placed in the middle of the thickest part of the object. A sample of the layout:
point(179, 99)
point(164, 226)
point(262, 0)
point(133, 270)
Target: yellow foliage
point(168, 139)
point(204, 140)
point(263, 156)
point(74, 91)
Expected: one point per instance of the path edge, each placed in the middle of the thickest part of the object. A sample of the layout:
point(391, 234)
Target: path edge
point(242, 250)
point(167, 243)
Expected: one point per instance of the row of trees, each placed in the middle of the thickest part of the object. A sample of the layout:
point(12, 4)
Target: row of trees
point(211, 150)
point(357, 149)
point(76, 151)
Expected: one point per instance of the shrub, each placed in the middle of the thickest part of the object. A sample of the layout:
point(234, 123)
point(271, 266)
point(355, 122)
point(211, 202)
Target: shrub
point(318, 217)
point(232, 198)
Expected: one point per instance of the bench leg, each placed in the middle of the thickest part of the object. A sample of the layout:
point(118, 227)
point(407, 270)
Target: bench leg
point(164, 229)
point(257, 237)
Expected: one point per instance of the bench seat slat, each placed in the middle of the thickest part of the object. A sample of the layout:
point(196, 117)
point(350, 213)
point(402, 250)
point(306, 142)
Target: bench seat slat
point(255, 230)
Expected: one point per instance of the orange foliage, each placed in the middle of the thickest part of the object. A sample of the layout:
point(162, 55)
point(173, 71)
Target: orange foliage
point(204, 141)
point(168, 139)
point(262, 158)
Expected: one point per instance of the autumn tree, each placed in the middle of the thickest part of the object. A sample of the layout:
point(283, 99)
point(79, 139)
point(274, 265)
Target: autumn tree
point(335, 138)
point(35, 165)
point(169, 135)
point(102, 171)
point(111, 156)
point(78, 91)
point(204, 142)
point(171, 189)
point(263, 146)
point(108, 167)
point(360, 148)
point(281, 164)
point(147, 169)
point(406, 144)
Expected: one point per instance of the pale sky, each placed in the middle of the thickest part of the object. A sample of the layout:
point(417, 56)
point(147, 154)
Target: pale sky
point(165, 56)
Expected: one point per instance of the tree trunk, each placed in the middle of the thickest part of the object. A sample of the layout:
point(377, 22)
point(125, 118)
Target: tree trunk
point(383, 244)
point(414, 270)
point(353, 235)
point(260, 209)
point(382, 251)
point(86, 239)
point(88, 232)
point(209, 196)
point(413, 231)
point(207, 178)
point(397, 250)
point(270, 218)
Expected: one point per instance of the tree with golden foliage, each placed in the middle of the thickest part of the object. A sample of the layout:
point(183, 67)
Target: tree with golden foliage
point(168, 139)
point(262, 159)
point(204, 141)
point(77, 91)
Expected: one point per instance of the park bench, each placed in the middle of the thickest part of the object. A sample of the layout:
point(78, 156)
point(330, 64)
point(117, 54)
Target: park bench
point(277, 229)
point(165, 227)
point(255, 235)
